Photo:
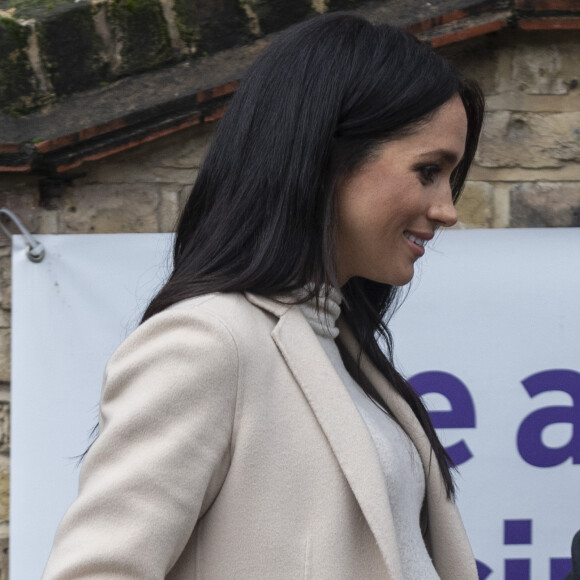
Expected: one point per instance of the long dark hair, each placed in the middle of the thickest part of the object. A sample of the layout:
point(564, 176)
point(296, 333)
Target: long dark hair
point(310, 110)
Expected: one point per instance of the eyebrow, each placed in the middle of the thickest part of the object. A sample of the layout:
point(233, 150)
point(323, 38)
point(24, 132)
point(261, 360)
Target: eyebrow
point(448, 156)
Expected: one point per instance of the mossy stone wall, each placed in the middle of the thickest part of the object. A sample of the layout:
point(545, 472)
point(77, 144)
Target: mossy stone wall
point(72, 50)
point(140, 29)
point(17, 87)
point(277, 14)
point(209, 26)
point(74, 46)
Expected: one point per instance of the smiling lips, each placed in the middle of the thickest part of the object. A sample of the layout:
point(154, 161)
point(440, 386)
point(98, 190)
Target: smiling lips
point(415, 239)
point(418, 243)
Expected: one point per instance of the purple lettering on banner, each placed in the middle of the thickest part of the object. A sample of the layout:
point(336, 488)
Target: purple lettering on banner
point(517, 532)
point(461, 414)
point(529, 438)
point(517, 569)
point(560, 568)
point(483, 571)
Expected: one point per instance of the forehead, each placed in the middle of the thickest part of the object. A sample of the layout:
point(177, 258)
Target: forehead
point(446, 129)
point(440, 138)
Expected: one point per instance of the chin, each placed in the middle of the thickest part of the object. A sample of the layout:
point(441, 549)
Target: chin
point(401, 282)
point(400, 279)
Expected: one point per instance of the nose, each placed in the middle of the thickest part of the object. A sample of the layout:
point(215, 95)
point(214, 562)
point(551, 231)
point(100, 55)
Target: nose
point(442, 211)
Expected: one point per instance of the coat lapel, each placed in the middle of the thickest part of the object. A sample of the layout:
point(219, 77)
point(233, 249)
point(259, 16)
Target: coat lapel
point(451, 552)
point(339, 420)
point(354, 449)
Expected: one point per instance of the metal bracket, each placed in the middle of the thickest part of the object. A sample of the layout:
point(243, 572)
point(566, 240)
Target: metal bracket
point(35, 252)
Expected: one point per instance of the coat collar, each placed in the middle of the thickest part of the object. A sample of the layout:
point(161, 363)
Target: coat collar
point(354, 449)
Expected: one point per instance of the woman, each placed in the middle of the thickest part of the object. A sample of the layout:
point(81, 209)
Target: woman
point(251, 427)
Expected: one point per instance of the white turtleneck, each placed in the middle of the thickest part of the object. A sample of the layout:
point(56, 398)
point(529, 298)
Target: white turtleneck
point(398, 457)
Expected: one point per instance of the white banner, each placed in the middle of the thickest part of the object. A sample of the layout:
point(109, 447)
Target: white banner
point(69, 313)
point(491, 329)
point(490, 333)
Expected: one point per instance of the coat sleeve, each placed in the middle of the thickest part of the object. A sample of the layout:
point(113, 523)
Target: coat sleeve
point(166, 420)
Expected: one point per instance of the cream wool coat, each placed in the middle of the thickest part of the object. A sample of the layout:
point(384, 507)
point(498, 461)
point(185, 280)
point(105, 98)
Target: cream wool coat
point(229, 449)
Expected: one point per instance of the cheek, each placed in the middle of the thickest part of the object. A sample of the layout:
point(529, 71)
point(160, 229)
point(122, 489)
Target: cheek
point(359, 221)
point(378, 212)
point(372, 204)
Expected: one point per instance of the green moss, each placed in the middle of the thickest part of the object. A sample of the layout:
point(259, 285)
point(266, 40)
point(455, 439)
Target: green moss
point(131, 6)
point(35, 8)
point(12, 28)
point(16, 76)
point(145, 38)
point(211, 26)
point(72, 50)
point(187, 21)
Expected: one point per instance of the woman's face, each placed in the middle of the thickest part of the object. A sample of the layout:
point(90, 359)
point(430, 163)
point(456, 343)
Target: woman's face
point(390, 208)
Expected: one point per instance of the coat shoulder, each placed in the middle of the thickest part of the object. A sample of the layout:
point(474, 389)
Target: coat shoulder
point(246, 316)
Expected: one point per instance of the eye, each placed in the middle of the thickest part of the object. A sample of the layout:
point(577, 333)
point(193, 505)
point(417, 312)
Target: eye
point(428, 173)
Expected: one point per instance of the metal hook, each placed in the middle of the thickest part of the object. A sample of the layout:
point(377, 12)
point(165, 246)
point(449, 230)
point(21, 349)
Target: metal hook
point(35, 252)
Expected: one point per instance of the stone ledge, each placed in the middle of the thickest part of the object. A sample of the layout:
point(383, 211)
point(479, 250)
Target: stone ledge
point(97, 122)
point(453, 17)
point(81, 45)
point(468, 28)
point(132, 111)
point(101, 121)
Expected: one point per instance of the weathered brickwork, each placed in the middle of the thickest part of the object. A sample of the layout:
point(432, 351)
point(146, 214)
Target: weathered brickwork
point(527, 167)
point(529, 140)
point(4, 558)
point(4, 489)
point(527, 171)
point(476, 207)
point(4, 441)
point(545, 205)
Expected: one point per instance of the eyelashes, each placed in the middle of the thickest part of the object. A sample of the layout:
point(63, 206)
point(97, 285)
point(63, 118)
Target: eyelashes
point(428, 173)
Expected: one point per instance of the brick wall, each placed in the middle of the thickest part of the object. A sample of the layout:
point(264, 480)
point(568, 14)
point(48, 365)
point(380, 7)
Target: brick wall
point(527, 171)
point(527, 174)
